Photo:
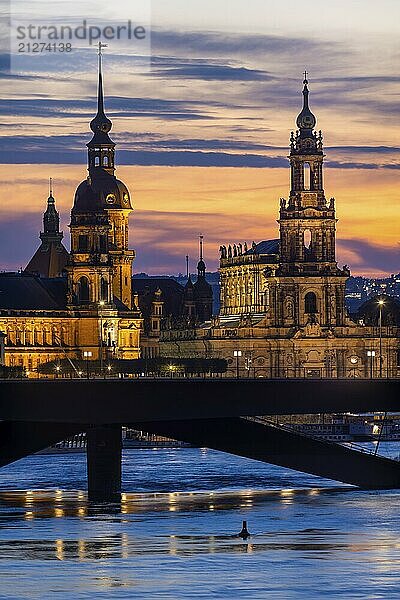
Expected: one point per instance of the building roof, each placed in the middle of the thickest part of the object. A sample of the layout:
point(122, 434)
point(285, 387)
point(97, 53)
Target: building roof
point(22, 291)
point(172, 293)
point(49, 260)
point(265, 247)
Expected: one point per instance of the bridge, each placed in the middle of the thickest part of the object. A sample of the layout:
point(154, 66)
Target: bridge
point(214, 413)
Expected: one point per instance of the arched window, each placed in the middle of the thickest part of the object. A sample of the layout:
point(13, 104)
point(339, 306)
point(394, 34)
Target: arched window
point(96, 161)
point(104, 290)
point(105, 161)
point(307, 239)
point(83, 290)
point(310, 302)
point(307, 176)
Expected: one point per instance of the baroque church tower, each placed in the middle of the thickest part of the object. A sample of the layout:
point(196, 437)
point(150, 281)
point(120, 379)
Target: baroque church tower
point(100, 267)
point(308, 286)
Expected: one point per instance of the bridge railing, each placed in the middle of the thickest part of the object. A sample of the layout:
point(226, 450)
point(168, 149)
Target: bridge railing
point(351, 445)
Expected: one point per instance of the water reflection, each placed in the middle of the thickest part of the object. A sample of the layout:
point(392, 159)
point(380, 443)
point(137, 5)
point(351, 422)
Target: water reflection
point(169, 543)
point(125, 546)
point(42, 504)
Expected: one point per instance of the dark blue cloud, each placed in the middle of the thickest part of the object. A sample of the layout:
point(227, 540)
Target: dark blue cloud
point(213, 73)
point(116, 107)
point(372, 257)
point(158, 150)
point(223, 44)
point(26, 229)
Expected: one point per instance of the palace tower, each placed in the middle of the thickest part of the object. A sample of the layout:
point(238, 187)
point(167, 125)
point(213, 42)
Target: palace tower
point(101, 263)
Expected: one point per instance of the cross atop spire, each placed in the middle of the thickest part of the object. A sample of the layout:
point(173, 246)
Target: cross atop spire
point(305, 77)
point(101, 46)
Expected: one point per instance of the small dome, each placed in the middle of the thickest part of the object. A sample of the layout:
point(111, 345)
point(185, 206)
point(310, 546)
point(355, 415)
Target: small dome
point(369, 312)
point(101, 124)
point(306, 120)
point(201, 265)
point(101, 193)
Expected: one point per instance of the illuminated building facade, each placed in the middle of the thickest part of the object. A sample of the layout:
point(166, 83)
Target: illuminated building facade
point(64, 305)
point(283, 307)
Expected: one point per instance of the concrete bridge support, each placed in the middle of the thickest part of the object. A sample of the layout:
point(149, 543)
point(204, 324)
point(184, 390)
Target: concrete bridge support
point(104, 463)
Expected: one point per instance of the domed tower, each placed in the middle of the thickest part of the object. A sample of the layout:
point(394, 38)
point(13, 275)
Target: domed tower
point(202, 291)
point(101, 262)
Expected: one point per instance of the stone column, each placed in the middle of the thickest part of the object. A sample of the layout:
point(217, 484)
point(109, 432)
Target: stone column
point(104, 457)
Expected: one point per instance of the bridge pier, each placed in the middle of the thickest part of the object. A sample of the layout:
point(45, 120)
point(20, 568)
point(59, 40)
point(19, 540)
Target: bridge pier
point(104, 463)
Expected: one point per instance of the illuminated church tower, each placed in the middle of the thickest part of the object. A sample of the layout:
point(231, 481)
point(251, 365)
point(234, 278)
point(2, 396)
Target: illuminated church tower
point(309, 286)
point(307, 222)
point(101, 263)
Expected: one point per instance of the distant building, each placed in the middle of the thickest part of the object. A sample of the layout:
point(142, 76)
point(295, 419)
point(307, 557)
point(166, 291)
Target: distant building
point(51, 258)
point(283, 310)
point(165, 302)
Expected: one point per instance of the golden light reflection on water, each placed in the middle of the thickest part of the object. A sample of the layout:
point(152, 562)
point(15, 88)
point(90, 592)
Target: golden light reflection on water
point(58, 503)
point(60, 549)
point(104, 539)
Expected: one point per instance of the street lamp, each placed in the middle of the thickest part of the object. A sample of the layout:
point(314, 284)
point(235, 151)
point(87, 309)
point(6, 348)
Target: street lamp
point(87, 355)
point(371, 355)
point(101, 306)
point(248, 364)
point(237, 354)
point(381, 305)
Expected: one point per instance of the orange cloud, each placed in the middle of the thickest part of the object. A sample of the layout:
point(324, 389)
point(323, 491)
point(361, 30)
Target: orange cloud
point(173, 205)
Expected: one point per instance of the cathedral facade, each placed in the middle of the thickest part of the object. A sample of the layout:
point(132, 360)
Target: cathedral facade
point(283, 307)
point(70, 305)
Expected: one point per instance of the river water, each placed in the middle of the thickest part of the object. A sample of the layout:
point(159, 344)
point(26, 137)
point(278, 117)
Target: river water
point(174, 533)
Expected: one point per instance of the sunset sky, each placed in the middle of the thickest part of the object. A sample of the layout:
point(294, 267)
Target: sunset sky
point(203, 128)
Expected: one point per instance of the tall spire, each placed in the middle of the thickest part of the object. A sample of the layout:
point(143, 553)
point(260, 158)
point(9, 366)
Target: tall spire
point(51, 219)
point(101, 147)
point(201, 267)
point(101, 125)
point(100, 93)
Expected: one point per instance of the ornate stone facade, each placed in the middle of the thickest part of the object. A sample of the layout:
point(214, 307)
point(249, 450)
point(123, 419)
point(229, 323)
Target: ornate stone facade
point(283, 301)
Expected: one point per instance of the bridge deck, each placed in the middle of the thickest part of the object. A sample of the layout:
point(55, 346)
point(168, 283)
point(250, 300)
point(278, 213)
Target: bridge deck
point(128, 401)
